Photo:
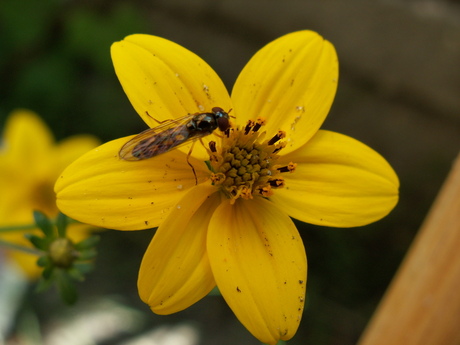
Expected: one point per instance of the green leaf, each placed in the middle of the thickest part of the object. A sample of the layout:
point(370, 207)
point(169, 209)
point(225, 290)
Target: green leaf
point(61, 224)
point(83, 267)
point(19, 247)
point(87, 243)
point(75, 274)
point(44, 223)
point(66, 288)
point(208, 164)
point(87, 254)
point(48, 272)
point(11, 228)
point(43, 261)
point(43, 284)
point(215, 292)
point(38, 242)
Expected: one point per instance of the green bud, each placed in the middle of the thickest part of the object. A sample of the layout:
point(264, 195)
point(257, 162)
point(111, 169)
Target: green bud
point(62, 252)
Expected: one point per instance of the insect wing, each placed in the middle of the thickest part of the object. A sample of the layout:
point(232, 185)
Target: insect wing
point(157, 140)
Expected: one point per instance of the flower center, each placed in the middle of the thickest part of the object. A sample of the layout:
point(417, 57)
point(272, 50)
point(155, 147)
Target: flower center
point(245, 165)
point(62, 252)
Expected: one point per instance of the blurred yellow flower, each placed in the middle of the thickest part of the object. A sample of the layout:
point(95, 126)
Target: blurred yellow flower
point(30, 162)
point(233, 228)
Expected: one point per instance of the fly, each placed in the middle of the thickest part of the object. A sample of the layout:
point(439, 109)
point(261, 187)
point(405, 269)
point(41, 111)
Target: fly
point(171, 134)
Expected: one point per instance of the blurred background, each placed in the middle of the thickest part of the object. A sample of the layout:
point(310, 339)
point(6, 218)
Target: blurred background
point(399, 92)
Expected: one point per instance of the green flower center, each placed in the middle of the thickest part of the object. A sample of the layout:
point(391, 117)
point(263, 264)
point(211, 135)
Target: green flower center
point(62, 252)
point(245, 165)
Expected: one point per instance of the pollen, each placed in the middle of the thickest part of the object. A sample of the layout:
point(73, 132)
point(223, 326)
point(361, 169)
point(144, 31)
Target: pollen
point(244, 166)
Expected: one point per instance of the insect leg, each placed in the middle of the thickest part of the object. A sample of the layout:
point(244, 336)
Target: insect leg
point(154, 119)
point(188, 162)
point(210, 153)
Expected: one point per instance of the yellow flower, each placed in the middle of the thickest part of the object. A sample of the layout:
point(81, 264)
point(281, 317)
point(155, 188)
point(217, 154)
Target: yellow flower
point(30, 163)
point(232, 229)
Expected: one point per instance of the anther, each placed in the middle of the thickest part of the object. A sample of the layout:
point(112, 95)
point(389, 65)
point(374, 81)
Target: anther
point(276, 183)
point(246, 193)
point(248, 127)
point(218, 178)
point(213, 158)
point(279, 147)
point(212, 146)
point(246, 163)
point(277, 137)
point(288, 168)
point(265, 191)
point(259, 123)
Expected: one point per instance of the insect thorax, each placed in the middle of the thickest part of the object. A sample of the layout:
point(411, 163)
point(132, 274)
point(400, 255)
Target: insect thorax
point(203, 123)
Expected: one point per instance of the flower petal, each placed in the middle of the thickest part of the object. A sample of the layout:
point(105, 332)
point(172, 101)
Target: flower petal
point(72, 148)
point(260, 267)
point(339, 182)
point(165, 79)
point(175, 271)
point(26, 140)
point(291, 83)
point(101, 189)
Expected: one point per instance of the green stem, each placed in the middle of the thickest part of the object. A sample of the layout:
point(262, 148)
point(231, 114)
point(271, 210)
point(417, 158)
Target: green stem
point(12, 228)
point(24, 249)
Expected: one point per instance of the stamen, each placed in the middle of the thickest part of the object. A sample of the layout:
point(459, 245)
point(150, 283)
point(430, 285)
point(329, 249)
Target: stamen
point(212, 146)
point(288, 168)
point(246, 193)
point(276, 183)
point(259, 123)
point(248, 127)
point(217, 179)
point(245, 165)
point(265, 191)
point(279, 147)
point(213, 158)
point(280, 135)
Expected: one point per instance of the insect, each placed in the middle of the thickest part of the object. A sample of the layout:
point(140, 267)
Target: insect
point(171, 134)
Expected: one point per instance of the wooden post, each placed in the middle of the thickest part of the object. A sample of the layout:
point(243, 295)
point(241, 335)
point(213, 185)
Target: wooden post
point(422, 304)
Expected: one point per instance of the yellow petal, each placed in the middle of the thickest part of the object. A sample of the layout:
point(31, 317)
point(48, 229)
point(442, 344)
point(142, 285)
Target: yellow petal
point(101, 189)
point(72, 148)
point(260, 267)
point(26, 140)
point(339, 182)
point(165, 79)
point(30, 163)
point(291, 83)
point(175, 271)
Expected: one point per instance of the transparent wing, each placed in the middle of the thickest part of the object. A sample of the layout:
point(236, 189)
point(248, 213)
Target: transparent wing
point(155, 141)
